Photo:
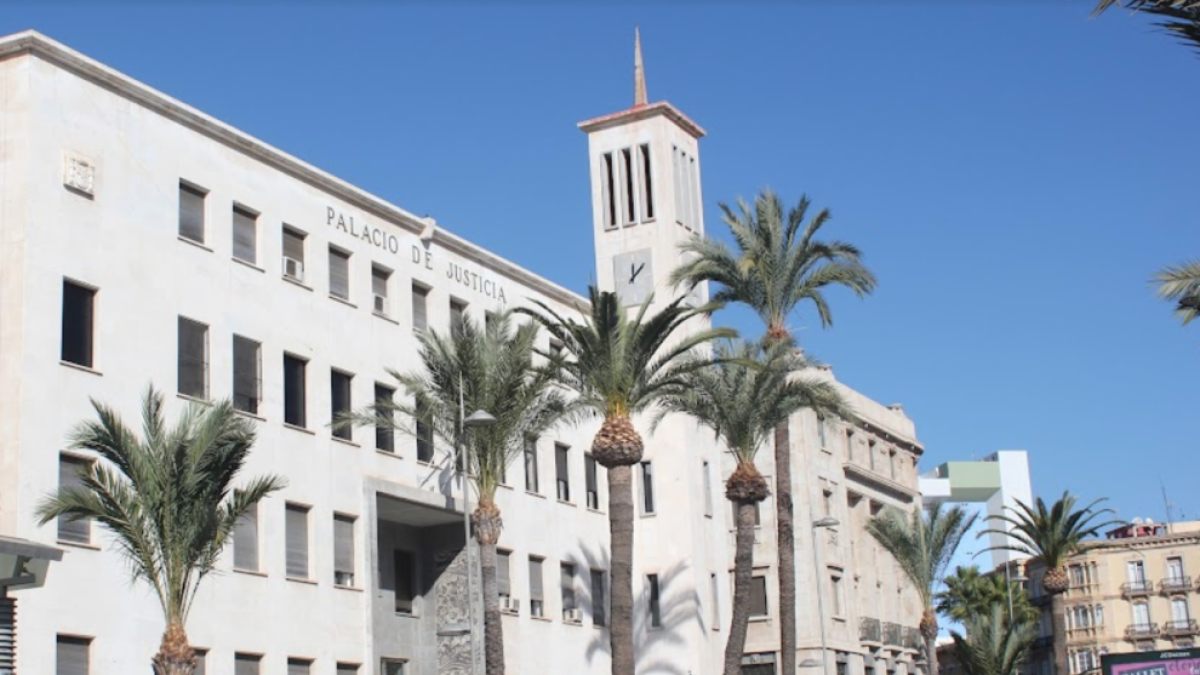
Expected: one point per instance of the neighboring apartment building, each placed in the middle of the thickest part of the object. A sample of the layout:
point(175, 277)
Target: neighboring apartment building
point(1135, 590)
point(144, 241)
point(848, 471)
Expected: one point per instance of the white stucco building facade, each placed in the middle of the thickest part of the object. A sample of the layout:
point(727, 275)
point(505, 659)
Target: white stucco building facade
point(186, 253)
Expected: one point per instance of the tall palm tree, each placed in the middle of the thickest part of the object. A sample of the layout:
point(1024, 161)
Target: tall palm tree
point(168, 499)
point(968, 593)
point(923, 544)
point(492, 369)
point(1182, 17)
point(1051, 535)
point(620, 365)
point(778, 264)
point(1181, 283)
point(993, 645)
point(741, 396)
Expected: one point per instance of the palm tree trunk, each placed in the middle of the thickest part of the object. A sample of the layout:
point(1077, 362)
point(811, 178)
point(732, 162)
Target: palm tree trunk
point(620, 523)
point(929, 630)
point(1058, 619)
point(175, 656)
point(743, 570)
point(931, 656)
point(786, 540)
point(493, 631)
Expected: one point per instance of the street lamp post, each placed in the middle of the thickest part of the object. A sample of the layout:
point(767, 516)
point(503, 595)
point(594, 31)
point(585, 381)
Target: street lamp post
point(477, 419)
point(827, 521)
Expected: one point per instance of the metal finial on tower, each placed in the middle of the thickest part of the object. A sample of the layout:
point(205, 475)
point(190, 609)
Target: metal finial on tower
point(639, 72)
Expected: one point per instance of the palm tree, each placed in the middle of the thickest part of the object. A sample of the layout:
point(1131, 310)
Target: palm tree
point(473, 368)
point(1181, 283)
point(923, 544)
point(619, 366)
point(993, 645)
point(1051, 535)
point(777, 266)
point(741, 396)
point(168, 499)
point(969, 593)
point(1182, 16)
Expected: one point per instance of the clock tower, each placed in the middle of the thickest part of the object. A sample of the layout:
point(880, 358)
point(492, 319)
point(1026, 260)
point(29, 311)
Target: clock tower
point(645, 173)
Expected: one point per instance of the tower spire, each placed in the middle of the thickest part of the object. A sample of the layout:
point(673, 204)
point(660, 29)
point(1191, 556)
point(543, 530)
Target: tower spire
point(639, 72)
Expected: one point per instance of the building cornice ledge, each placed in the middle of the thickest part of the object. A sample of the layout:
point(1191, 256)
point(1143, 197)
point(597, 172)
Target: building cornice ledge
point(33, 42)
point(897, 490)
point(641, 112)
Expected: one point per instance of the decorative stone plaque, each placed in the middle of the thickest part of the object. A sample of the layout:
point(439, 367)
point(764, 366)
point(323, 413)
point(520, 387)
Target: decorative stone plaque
point(79, 174)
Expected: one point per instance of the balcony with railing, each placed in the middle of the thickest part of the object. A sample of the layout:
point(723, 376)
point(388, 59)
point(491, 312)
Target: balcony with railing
point(1184, 628)
point(1133, 589)
point(1175, 585)
point(869, 631)
point(913, 638)
point(893, 634)
point(1141, 631)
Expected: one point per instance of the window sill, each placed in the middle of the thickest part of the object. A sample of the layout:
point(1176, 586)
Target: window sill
point(340, 587)
point(759, 619)
point(648, 515)
point(344, 301)
point(386, 318)
point(249, 264)
point(193, 242)
point(426, 463)
point(545, 619)
point(77, 544)
point(406, 615)
point(596, 511)
point(302, 430)
point(85, 369)
point(388, 453)
point(839, 619)
point(253, 416)
point(509, 612)
point(567, 503)
point(345, 441)
point(296, 282)
point(193, 399)
point(307, 582)
point(531, 493)
point(572, 623)
point(250, 573)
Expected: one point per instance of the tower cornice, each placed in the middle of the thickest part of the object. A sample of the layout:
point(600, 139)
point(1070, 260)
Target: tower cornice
point(642, 112)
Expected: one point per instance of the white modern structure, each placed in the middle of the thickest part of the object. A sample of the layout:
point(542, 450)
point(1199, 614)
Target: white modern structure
point(144, 241)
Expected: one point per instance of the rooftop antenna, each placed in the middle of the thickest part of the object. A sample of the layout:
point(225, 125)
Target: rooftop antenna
point(1166, 504)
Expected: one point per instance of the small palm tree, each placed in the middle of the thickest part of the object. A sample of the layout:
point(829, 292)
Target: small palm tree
point(779, 264)
point(993, 645)
point(1181, 283)
point(620, 365)
point(923, 544)
point(168, 499)
point(741, 396)
point(969, 594)
point(1051, 535)
point(474, 368)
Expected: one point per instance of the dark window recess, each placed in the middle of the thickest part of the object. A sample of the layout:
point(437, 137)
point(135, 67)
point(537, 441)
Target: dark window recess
point(593, 485)
point(193, 358)
point(247, 374)
point(608, 188)
point(647, 487)
point(531, 465)
point(77, 327)
point(191, 213)
point(758, 596)
point(405, 581)
point(339, 396)
point(343, 550)
point(339, 274)
point(385, 435)
point(297, 541)
point(562, 455)
point(627, 180)
point(458, 310)
point(599, 615)
point(566, 574)
point(246, 664)
point(78, 530)
point(647, 184)
point(245, 235)
point(294, 391)
point(503, 574)
point(655, 601)
point(420, 297)
point(71, 655)
point(245, 541)
point(424, 437)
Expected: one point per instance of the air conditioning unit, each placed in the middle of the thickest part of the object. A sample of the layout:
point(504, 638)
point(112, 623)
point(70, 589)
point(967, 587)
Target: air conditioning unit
point(510, 604)
point(573, 616)
point(343, 578)
point(293, 269)
point(381, 304)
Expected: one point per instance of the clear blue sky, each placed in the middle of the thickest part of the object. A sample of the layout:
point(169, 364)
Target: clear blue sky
point(1013, 170)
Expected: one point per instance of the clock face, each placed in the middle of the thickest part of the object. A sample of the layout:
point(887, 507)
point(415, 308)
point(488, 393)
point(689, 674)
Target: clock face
point(633, 275)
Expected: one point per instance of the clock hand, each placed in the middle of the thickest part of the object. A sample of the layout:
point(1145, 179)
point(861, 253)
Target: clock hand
point(633, 273)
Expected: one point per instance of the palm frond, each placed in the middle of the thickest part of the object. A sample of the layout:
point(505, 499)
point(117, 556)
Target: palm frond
point(1181, 283)
point(1050, 533)
point(922, 542)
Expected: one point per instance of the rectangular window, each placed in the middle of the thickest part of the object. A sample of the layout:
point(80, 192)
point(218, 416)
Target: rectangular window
point(562, 455)
point(385, 435)
point(458, 310)
point(835, 594)
point(567, 585)
point(821, 437)
point(420, 295)
point(677, 183)
point(406, 573)
point(77, 530)
point(191, 213)
point(655, 601)
point(339, 273)
point(246, 664)
point(628, 212)
point(758, 596)
point(647, 188)
point(293, 254)
point(71, 656)
point(245, 541)
point(424, 436)
point(201, 661)
point(708, 490)
point(297, 541)
point(715, 605)
point(599, 598)
point(693, 194)
point(1175, 569)
point(299, 667)
point(503, 574)
point(339, 399)
point(536, 607)
point(247, 374)
point(294, 391)
point(343, 550)
point(193, 358)
point(245, 234)
point(1136, 571)
point(531, 465)
point(608, 187)
point(77, 323)
point(347, 669)
point(647, 479)
point(380, 279)
point(393, 667)
point(592, 483)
